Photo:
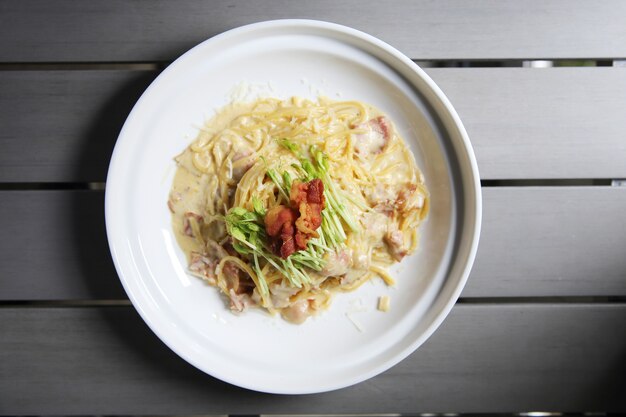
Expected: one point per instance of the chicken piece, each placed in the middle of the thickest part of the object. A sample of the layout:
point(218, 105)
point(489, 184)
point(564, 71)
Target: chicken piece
point(281, 294)
point(376, 137)
point(352, 276)
point(381, 193)
point(308, 197)
point(203, 264)
point(389, 199)
point(237, 281)
point(215, 250)
point(396, 244)
point(280, 224)
point(239, 286)
point(298, 312)
point(375, 224)
point(239, 302)
point(337, 263)
point(409, 199)
point(203, 267)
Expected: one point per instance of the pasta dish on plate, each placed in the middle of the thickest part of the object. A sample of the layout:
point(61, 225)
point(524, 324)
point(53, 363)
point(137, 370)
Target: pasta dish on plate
point(282, 203)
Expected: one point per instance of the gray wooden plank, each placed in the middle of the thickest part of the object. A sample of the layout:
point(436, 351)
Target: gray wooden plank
point(551, 241)
point(542, 123)
point(536, 241)
point(523, 123)
point(71, 30)
point(520, 358)
point(54, 247)
point(62, 125)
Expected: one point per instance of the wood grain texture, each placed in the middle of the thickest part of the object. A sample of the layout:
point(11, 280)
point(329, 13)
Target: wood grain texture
point(70, 30)
point(521, 357)
point(551, 241)
point(62, 125)
point(561, 241)
point(54, 247)
point(542, 123)
point(523, 123)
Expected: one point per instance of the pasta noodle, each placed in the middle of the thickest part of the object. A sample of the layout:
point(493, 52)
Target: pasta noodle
point(282, 203)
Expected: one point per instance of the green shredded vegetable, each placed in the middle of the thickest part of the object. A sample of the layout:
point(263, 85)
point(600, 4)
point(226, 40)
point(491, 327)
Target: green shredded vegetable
point(249, 238)
point(247, 228)
point(317, 167)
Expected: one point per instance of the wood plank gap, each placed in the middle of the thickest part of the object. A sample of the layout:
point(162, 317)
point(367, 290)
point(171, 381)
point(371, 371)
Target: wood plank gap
point(64, 303)
point(520, 414)
point(512, 63)
point(30, 186)
point(607, 299)
point(360, 415)
point(566, 182)
point(82, 66)
point(493, 63)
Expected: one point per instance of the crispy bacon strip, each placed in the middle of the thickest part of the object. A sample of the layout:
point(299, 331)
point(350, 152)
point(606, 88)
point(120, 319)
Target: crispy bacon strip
point(308, 197)
point(292, 227)
point(280, 224)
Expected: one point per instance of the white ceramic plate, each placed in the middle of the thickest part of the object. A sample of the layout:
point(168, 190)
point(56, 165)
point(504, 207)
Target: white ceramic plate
point(352, 341)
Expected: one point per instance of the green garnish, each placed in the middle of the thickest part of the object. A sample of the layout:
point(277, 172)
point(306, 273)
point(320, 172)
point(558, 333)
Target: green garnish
point(249, 238)
point(258, 207)
point(286, 143)
point(317, 167)
point(278, 180)
point(247, 228)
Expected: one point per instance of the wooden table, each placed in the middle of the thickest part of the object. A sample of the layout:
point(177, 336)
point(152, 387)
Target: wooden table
point(541, 324)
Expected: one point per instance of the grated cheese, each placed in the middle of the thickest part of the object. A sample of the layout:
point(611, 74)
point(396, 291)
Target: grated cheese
point(384, 303)
point(355, 322)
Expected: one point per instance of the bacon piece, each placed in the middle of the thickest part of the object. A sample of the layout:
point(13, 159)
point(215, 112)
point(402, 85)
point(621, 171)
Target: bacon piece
point(188, 217)
point(280, 223)
point(291, 228)
point(377, 135)
point(311, 192)
point(308, 197)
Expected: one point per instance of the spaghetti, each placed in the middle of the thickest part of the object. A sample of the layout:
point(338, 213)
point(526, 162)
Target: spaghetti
point(282, 203)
